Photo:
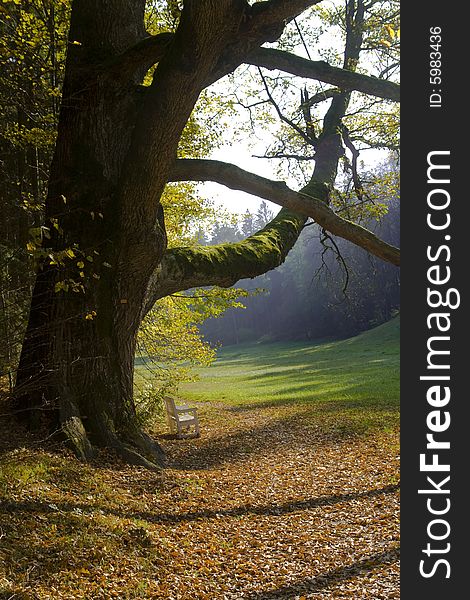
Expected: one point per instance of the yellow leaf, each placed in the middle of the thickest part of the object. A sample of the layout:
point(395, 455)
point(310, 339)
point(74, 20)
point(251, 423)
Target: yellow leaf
point(61, 285)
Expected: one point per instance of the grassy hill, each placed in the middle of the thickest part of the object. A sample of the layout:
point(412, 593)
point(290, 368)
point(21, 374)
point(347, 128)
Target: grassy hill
point(358, 376)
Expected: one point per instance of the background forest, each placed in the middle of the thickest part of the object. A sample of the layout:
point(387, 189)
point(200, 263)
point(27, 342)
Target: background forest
point(322, 290)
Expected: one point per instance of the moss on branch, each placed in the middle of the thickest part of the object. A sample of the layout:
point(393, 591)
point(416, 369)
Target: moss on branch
point(225, 264)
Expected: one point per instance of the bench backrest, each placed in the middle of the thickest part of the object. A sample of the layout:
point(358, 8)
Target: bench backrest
point(170, 406)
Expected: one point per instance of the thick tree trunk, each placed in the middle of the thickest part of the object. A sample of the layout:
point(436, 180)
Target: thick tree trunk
point(105, 229)
point(76, 373)
point(77, 361)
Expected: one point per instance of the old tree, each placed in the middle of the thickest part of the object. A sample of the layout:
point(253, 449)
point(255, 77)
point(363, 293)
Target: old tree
point(104, 261)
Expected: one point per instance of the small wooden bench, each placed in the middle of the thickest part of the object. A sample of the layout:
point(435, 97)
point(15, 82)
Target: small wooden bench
point(180, 418)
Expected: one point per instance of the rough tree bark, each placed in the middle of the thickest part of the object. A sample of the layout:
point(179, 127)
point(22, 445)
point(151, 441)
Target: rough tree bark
point(115, 152)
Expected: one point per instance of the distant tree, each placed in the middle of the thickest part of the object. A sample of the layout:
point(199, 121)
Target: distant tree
point(103, 254)
point(247, 226)
point(263, 215)
point(224, 232)
point(201, 236)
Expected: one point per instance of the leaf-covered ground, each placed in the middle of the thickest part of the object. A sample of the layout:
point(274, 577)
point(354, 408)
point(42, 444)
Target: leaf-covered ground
point(276, 500)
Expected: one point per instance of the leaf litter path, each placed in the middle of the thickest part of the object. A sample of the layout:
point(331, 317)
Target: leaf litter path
point(270, 503)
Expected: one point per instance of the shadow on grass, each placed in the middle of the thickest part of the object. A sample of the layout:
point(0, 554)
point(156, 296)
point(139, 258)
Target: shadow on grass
point(330, 578)
point(365, 387)
point(298, 373)
point(319, 405)
point(326, 356)
point(310, 386)
point(32, 507)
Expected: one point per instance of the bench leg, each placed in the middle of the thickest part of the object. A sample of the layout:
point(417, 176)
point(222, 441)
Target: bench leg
point(180, 430)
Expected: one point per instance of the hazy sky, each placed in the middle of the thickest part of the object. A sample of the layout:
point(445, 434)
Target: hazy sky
point(235, 201)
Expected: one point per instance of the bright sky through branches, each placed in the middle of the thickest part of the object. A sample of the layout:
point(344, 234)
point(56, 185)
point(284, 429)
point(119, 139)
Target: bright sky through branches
point(240, 150)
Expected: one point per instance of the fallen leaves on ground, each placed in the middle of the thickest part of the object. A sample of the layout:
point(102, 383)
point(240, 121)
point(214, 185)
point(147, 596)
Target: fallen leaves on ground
point(270, 503)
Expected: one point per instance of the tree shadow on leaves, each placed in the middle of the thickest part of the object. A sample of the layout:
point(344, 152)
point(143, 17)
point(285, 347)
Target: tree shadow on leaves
point(16, 595)
point(306, 429)
point(330, 578)
point(236, 445)
point(237, 511)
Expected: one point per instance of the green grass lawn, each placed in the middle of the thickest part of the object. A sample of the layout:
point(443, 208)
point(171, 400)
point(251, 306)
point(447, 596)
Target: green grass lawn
point(357, 379)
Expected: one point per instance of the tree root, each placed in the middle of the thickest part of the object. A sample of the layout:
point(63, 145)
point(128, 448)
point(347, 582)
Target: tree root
point(84, 435)
point(138, 448)
point(133, 457)
point(134, 447)
point(77, 439)
point(72, 428)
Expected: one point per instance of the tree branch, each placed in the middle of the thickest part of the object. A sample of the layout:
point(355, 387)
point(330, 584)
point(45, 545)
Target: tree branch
point(183, 268)
point(322, 96)
point(225, 264)
point(141, 56)
point(310, 202)
point(271, 58)
point(263, 22)
point(304, 135)
point(273, 15)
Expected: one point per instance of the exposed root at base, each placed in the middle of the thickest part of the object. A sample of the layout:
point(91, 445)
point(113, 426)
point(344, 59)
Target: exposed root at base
point(77, 439)
point(136, 448)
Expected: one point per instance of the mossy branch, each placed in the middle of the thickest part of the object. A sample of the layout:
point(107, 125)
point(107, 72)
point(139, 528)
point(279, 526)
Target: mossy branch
point(311, 201)
point(225, 264)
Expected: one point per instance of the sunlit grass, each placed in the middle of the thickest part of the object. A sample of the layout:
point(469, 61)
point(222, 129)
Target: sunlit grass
point(358, 376)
